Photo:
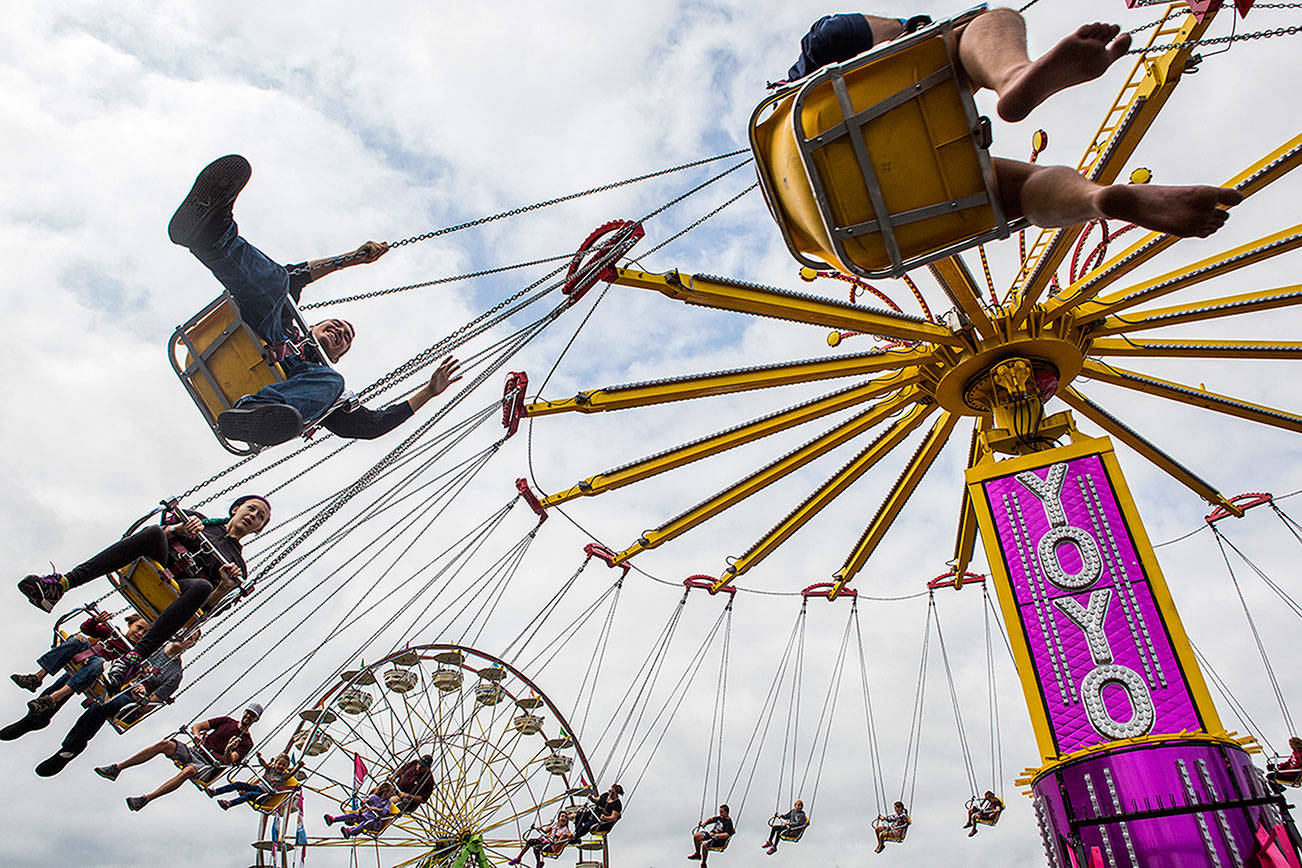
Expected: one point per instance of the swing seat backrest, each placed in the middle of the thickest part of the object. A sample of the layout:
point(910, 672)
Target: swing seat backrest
point(879, 165)
point(794, 834)
point(219, 359)
point(717, 845)
point(272, 803)
point(893, 833)
point(147, 586)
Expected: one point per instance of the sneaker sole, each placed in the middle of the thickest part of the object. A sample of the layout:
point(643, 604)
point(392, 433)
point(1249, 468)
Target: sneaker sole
point(30, 587)
point(217, 186)
point(262, 424)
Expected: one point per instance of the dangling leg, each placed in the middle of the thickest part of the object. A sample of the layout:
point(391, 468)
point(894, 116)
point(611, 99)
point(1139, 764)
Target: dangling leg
point(1052, 196)
point(992, 50)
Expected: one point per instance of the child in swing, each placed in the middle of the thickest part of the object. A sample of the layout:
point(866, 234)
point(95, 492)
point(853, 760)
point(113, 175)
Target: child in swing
point(277, 776)
point(373, 814)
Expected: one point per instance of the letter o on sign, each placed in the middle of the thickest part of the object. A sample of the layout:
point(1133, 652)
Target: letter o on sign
point(1141, 703)
point(1091, 562)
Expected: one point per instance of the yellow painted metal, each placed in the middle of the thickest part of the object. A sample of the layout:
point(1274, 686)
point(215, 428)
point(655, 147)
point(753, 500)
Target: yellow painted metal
point(782, 304)
point(1147, 88)
point(1217, 265)
point(954, 277)
point(733, 437)
point(146, 586)
point(895, 500)
point(771, 473)
point(1194, 396)
point(1254, 178)
point(965, 539)
point(233, 358)
point(1102, 447)
point(1146, 448)
point(1208, 309)
point(728, 382)
point(811, 142)
point(1196, 349)
point(831, 489)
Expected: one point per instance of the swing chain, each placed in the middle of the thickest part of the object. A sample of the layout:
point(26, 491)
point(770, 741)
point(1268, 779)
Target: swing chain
point(1219, 40)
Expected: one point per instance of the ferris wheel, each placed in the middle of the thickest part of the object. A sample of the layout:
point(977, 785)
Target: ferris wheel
point(502, 755)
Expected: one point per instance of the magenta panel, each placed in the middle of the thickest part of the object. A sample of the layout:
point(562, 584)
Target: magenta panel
point(1103, 657)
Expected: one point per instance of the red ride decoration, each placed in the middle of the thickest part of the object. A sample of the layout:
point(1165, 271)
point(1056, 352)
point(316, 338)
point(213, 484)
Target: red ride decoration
point(522, 486)
point(517, 383)
point(601, 553)
point(706, 583)
point(955, 580)
point(824, 590)
point(612, 247)
point(1245, 501)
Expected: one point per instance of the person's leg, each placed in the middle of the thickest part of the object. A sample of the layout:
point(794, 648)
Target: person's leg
point(259, 285)
point(172, 783)
point(194, 591)
point(84, 678)
point(992, 50)
point(91, 720)
point(248, 793)
point(310, 388)
point(1053, 196)
point(149, 542)
point(166, 747)
point(56, 658)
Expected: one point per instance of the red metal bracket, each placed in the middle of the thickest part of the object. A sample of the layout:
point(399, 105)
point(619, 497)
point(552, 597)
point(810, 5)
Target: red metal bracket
point(1245, 501)
point(1201, 7)
point(522, 486)
point(707, 583)
point(606, 244)
point(824, 590)
point(601, 553)
point(517, 383)
point(955, 580)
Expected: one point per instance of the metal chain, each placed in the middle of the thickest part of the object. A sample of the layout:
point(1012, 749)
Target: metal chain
point(1220, 40)
point(346, 258)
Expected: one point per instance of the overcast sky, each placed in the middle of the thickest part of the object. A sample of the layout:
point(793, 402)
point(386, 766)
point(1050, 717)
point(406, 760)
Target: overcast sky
point(387, 120)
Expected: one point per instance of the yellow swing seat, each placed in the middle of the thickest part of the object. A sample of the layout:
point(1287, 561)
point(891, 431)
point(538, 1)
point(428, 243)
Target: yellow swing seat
point(219, 360)
point(894, 834)
point(880, 165)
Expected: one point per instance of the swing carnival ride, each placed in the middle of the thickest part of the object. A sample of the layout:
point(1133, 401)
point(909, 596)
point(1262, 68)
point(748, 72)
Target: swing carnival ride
point(1136, 766)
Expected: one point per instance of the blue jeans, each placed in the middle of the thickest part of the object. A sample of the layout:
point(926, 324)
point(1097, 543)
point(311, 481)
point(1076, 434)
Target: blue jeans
point(261, 289)
point(93, 718)
point(248, 792)
point(56, 658)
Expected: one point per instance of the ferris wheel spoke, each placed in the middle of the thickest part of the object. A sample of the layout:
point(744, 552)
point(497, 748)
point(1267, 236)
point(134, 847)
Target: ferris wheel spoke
point(757, 429)
point(772, 472)
point(1197, 349)
point(649, 393)
point(723, 294)
point(896, 499)
point(1146, 448)
point(1190, 395)
point(833, 487)
point(1254, 178)
point(1219, 264)
point(1209, 309)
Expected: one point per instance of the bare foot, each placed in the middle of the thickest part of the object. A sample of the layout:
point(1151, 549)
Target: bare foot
point(1182, 211)
point(1080, 57)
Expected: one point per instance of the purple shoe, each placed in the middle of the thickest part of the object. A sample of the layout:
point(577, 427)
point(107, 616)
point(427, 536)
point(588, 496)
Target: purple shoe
point(43, 592)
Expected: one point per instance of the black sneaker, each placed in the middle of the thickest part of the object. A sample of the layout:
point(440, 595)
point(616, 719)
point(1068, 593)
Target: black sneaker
point(262, 423)
point(206, 210)
point(30, 683)
point(135, 803)
point(48, 768)
point(109, 772)
point(41, 705)
point(43, 592)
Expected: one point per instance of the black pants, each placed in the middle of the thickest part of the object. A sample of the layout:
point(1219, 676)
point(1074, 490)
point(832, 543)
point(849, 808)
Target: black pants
point(151, 542)
point(587, 822)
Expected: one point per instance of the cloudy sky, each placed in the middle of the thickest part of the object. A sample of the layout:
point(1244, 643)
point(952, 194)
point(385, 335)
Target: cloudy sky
point(389, 120)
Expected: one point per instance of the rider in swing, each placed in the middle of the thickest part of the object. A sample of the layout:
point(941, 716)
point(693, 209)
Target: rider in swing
point(204, 224)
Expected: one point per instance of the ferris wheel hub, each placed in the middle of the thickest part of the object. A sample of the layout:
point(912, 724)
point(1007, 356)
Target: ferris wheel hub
point(969, 381)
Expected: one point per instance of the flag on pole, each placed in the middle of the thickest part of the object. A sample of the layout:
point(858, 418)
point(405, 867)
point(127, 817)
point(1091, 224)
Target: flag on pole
point(300, 837)
point(359, 771)
point(275, 834)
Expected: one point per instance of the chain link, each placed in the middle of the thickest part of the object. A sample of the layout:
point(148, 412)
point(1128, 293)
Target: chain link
point(1221, 40)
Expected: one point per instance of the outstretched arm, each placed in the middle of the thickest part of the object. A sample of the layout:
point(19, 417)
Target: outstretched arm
point(446, 375)
point(363, 255)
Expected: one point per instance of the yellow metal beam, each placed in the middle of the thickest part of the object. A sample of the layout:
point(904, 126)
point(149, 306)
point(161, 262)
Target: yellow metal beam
point(1259, 175)
point(1142, 97)
point(895, 500)
point(828, 491)
point(1146, 448)
point(774, 471)
point(1208, 309)
point(783, 304)
point(729, 382)
point(1192, 396)
point(1196, 349)
point(1204, 269)
point(705, 447)
point(965, 539)
point(954, 277)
